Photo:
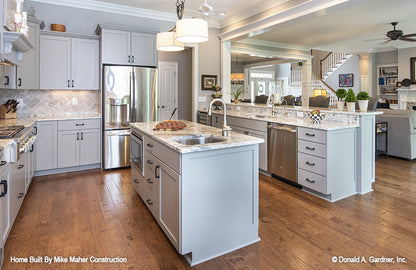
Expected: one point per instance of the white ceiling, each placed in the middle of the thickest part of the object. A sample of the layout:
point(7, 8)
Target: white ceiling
point(349, 29)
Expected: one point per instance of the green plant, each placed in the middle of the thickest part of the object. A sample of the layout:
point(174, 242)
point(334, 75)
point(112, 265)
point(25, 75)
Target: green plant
point(237, 93)
point(341, 93)
point(363, 96)
point(350, 96)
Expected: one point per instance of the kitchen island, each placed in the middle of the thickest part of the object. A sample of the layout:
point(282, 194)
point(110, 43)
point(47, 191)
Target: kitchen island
point(205, 197)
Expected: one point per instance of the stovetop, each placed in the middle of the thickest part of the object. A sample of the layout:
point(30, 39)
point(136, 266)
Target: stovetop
point(9, 132)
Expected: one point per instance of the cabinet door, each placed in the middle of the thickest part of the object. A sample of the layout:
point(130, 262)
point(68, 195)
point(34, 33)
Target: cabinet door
point(46, 145)
point(116, 47)
point(28, 70)
point(85, 64)
point(17, 187)
point(169, 202)
point(68, 148)
point(55, 62)
point(7, 77)
point(4, 208)
point(262, 147)
point(143, 49)
point(90, 146)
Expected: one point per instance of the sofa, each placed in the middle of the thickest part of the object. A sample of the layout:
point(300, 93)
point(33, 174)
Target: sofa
point(401, 132)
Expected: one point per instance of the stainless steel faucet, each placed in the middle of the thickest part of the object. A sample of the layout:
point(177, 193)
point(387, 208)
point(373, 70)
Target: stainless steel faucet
point(225, 129)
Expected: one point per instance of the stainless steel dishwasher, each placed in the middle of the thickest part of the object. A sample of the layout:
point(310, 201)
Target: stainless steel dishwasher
point(282, 151)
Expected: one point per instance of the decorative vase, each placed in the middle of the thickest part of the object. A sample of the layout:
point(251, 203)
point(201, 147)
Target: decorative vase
point(363, 104)
point(351, 106)
point(340, 105)
point(236, 100)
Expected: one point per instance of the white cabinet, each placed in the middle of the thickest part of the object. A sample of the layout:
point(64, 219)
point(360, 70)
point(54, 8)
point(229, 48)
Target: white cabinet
point(17, 187)
point(9, 9)
point(46, 145)
point(84, 64)
point(4, 203)
point(7, 77)
point(28, 70)
point(253, 128)
point(69, 63)
point(124, 47)
point(80, 146)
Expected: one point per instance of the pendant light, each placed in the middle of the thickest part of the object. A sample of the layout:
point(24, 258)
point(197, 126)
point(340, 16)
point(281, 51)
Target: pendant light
point(192, 30)
point(166, 41)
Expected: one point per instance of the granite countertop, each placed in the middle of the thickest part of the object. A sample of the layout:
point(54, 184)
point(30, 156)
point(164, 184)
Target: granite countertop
point(165, 137)
point(30, 120)
point(294, 121)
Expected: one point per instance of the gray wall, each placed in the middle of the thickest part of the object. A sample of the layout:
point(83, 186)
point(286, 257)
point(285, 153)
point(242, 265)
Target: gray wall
point(352, 65)
point(377, 59)
point(184, 60)
point(404, 56)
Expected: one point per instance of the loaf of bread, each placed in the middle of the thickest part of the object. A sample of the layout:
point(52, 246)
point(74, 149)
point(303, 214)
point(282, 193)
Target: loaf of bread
point(170, 125)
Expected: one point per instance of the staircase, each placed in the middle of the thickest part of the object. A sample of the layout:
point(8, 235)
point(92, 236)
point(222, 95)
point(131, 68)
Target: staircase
point(318, 83)
point(330, 63)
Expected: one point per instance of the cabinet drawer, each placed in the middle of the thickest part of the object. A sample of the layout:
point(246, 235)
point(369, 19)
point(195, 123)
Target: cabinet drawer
point(150, 161)
point(313, 135)
point(312, 148)
point(137, 180)
point(312, 163)
point(151, 202)
point(312, 180)
point(162, 152)
point(78, 124)
point(152, 182)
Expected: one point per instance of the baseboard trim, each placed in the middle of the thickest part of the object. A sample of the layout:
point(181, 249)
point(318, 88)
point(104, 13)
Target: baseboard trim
point(69, 169)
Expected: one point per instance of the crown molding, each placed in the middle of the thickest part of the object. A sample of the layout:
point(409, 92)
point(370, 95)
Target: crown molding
point(122, 10)
point(114, 8)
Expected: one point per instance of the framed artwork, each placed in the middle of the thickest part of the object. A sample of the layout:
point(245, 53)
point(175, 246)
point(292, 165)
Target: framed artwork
point(413, 70)
point(208, 81)
point(391, 80)
point(346, 80)
point(389, 71)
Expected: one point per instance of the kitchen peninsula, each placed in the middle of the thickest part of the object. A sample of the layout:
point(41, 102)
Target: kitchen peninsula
point(205, 197)
point(335, 159)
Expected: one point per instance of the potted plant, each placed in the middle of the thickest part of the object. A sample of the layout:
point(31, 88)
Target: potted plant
point(341, 94)
point(350, 99)
point(363, 98)
point(236, 95)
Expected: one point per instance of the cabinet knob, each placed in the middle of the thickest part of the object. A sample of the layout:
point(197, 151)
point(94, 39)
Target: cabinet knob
point(20, 167)
point(149, 145)
point(310, 134)
point(310, 148)
point(310, 163)
point(149, 162)
point(149, 202)
point(20, 195)
point(149, 181)
point(136, 181)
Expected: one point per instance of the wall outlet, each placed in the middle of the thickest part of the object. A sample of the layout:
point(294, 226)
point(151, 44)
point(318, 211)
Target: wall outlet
point(74, 101)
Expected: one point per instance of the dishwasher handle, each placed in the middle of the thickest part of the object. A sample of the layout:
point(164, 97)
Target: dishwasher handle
point(282, 128)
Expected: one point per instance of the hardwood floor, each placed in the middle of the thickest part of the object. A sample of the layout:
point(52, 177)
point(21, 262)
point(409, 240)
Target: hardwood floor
point(99, 214)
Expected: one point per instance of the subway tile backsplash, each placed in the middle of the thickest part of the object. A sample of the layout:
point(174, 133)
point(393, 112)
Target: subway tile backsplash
point(53, 102)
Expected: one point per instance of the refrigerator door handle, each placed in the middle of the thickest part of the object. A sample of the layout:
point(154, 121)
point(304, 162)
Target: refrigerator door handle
point(130, 97)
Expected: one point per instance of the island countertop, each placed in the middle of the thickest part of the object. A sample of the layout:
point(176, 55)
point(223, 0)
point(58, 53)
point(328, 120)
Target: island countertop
point(165, 137)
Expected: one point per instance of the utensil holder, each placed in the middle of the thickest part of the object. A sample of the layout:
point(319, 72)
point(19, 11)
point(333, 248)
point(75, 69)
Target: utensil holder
point(7, 115)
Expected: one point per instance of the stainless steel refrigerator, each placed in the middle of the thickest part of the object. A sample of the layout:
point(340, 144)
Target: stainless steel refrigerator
point(129, 95)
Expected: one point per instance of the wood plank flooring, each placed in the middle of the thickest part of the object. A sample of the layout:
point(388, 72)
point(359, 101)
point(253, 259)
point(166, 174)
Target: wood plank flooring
point(96, 213)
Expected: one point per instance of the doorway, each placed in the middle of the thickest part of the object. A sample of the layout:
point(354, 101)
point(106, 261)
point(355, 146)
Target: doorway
point(168, 90)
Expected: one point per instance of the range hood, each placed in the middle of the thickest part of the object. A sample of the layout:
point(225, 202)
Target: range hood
point(13, 45)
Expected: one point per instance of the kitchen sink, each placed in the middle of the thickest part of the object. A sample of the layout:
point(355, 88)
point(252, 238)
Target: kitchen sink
point(257, 115)
point(198, 139)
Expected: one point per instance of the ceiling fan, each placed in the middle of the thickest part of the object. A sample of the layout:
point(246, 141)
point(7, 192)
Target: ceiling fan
point(397, 34)
point(207, 10)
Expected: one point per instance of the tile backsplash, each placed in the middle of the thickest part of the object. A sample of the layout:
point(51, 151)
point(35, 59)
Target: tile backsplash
point(53, 102)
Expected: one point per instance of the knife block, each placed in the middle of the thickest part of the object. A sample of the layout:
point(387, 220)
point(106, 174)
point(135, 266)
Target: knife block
point(6, 115)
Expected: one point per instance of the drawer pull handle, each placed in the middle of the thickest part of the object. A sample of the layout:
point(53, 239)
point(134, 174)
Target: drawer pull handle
point(157, 176)
point(2, 163)
point(149, 181)
point(310, 148)
point(310, 134)
point(149, 145)
point(309, 180)
point(4, 184)
point(246, 132)
point(136, 181)
point(149, 162)
point(20, 195)
point(309, 163)
point(149, 202)
point(79, 125)
point(20, 166)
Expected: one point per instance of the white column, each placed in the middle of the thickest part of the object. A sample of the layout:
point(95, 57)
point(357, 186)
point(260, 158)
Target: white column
point(226, 70)
point(306, 82)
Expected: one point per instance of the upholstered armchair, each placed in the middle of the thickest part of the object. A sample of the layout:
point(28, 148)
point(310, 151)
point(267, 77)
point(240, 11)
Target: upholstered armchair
point(319, 101)
point(262, 99)
point(290, 100)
